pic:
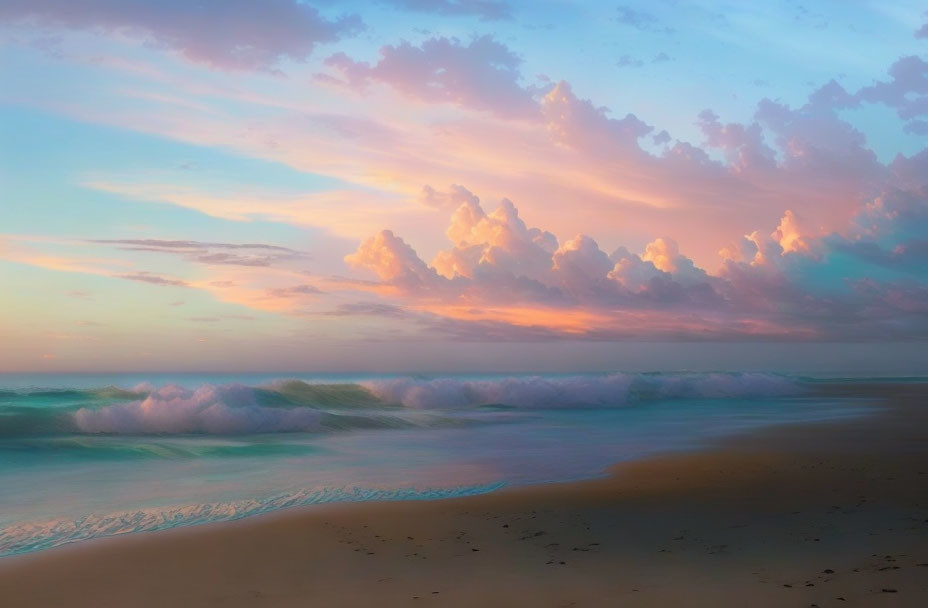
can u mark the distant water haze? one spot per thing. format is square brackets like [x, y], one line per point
[357, 361]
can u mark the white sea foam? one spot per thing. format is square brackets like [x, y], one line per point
[235, 408]
[33, 536]
[588, 391]
[226, 409]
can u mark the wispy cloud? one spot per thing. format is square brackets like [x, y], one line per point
[489, 10]
[245, 254]
[153, 279]
[641, 20]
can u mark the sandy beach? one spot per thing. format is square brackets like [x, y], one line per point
[819, 514]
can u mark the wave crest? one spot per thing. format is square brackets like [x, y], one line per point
[335, 396]
[572, 391]
[222, 410]
[298, 406]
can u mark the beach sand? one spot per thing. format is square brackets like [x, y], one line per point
[820, 514]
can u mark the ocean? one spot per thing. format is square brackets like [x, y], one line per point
[86, 456]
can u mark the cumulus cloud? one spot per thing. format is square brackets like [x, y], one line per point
[394, 261]
[817, 145]
[633, 273]
[743, 145]
[804, 157]
[641, 20]
[864, 283]
[789, 234]
[497, 260]
[890, 231]
[906, 91]
[580, 265]
[503, 280]
[452, 199]
[663, 253]
[580, 124]
[482, 74]
[492, 244]
[785, 177]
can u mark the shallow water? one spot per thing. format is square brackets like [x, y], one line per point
[84, 456]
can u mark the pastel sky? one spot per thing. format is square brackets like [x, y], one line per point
[451, 185]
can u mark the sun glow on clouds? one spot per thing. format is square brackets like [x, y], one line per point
[500, 270]
[608, 226]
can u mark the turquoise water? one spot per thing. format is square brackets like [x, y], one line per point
[83, 456]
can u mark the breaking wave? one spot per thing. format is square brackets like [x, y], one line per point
[297, 406]
[577, 391]
[214, 410]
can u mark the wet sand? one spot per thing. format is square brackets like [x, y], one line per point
[820, 514]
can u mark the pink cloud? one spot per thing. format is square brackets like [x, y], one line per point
[394, 261]
[580, 266]
[567, 162]
[789, 234]
[430, 197]
[568, 158]
[229, 34]
[497, 279]
[744, 145]
[481, 75]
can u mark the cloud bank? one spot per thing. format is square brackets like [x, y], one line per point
[227, 34]
[500, 276]
[618, 222]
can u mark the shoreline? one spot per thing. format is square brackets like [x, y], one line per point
[44, 534]
[589, 542]
[610, 470]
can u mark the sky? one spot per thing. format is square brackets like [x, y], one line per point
[463, 185]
